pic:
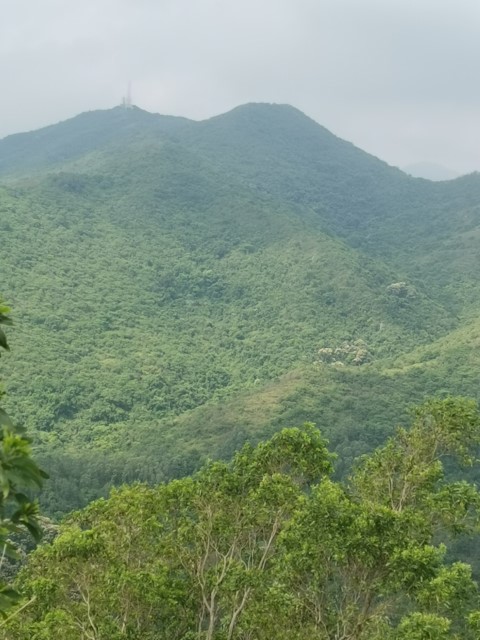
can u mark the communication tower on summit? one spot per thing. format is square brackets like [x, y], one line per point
[127, 99]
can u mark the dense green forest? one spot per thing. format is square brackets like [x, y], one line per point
[183, 294]
[181, 287]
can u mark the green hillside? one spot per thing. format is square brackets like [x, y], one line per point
[179, 287]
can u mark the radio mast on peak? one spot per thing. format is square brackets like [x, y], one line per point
[127, 99]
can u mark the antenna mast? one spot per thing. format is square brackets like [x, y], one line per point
[127, 99]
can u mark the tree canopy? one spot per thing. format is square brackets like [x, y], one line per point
[269, 545]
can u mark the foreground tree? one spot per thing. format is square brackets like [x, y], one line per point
[183, 560]
[361, 556]
[18, 473]
[269, 546]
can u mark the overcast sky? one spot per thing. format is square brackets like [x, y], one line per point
[398, 78]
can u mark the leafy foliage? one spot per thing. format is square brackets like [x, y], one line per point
[18, 472]
[269, 546]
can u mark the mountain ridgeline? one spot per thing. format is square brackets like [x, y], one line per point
[180, 287]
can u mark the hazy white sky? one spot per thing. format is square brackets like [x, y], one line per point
[398, 78]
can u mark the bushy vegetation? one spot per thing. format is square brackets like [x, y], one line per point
[269, 546]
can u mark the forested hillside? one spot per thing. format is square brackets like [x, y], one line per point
[179, 287]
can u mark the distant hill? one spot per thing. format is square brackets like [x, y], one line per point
[179, 287]
[430, 171]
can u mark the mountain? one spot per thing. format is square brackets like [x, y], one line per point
[179, 287]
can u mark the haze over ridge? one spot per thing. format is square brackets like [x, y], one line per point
[397, 80]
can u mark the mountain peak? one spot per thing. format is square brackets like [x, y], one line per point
[89, 131]
[271, 113]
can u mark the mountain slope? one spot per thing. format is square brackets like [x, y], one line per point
[167, 276]
[373, 207]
